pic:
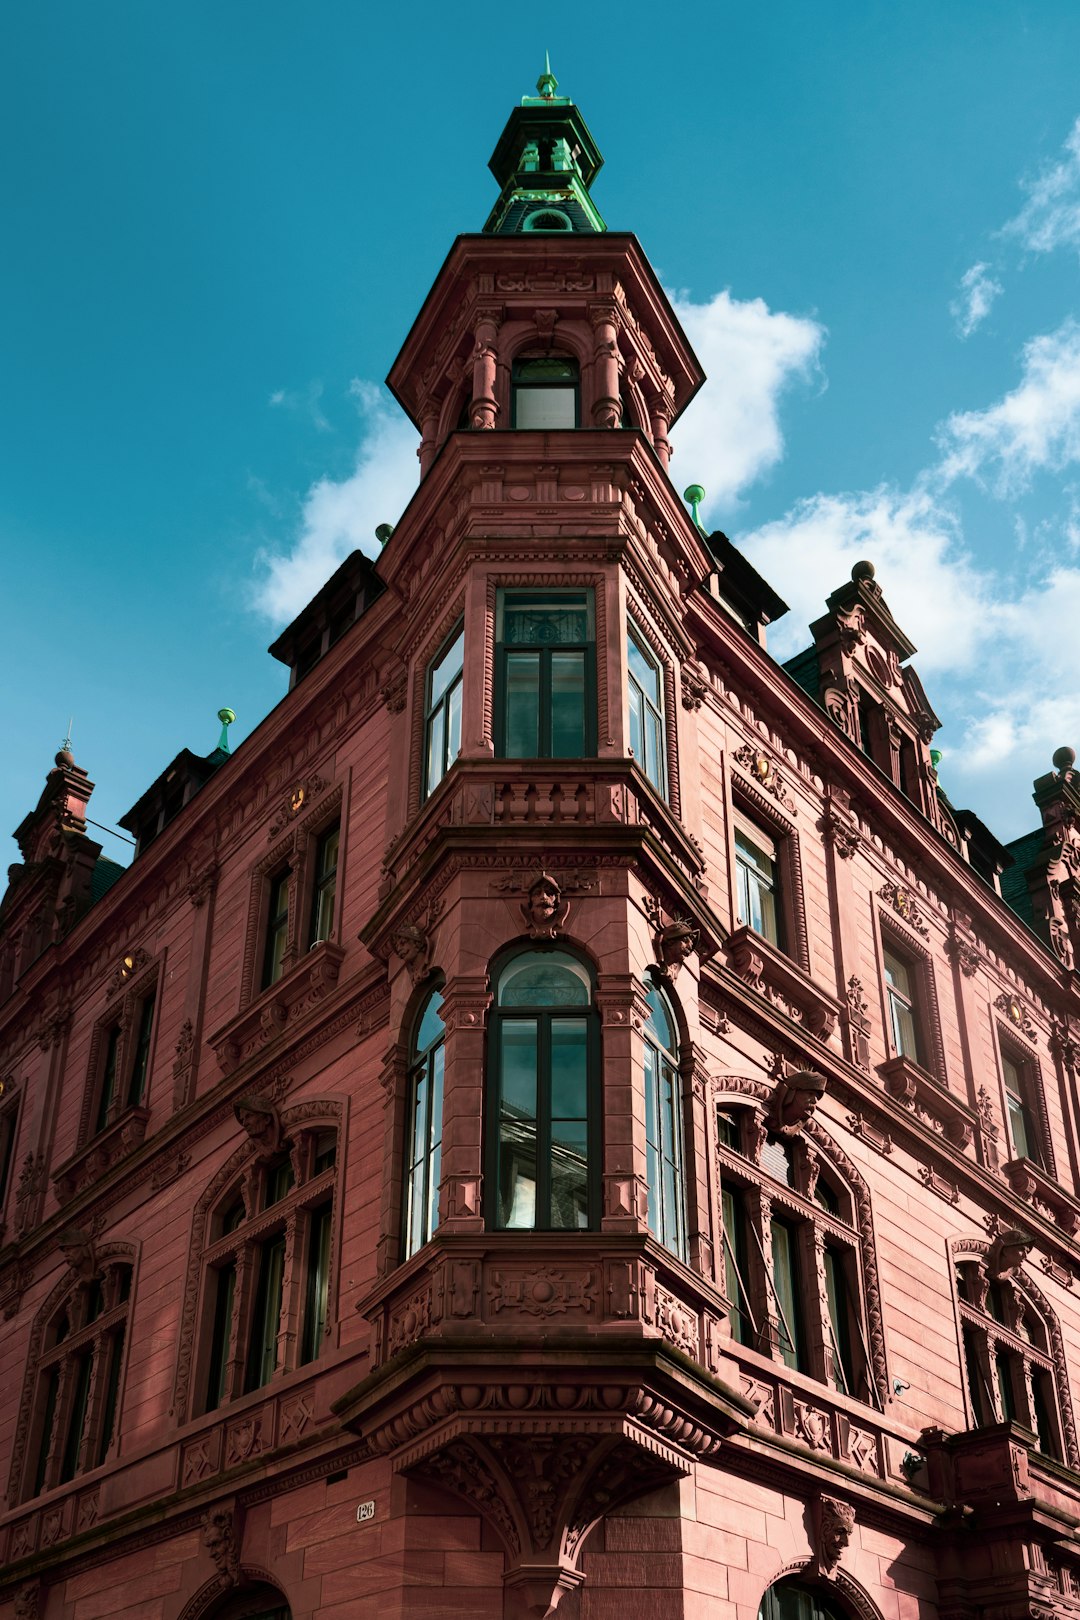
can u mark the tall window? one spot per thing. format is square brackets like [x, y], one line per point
[1009, 1368]
[121, 1064]
[545, 678]
[791, 1254]
[78, 1380]
[424, 1138]
[442, 734]
[267, 1291]
[901, 991]
[545, 392]
[645, 695]
[542, 1123]
[109, 1069]
[663, 1127]
[324, 885]
[758, 881]
[789, 1600]
[141, 1059]
[277, 927]
[1023, 1128]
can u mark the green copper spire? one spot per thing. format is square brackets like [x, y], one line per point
[545, 163]
[226, 716]
[547, 83]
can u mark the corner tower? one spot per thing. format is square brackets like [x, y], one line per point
[543, 887]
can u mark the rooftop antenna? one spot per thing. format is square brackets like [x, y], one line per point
[226, 716]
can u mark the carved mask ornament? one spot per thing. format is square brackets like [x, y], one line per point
[544, 909]
[262, 1123]
[794, 1100]
[1007, 1253]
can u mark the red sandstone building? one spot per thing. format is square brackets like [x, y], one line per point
[568, 1114]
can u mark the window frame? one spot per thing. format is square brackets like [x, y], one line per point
[752, 1198]
[545, 596]
[916, 958]
[119, 1035]
[324, 883]
[441, 708]
[1001, 1365]
[498, 1018]
[526, 359]
[670, 1174]
[425, 1067]
[760, 816]
[749, 832]
[296, 853]
[649, 710]
[74, 1416]
[1031, 1098]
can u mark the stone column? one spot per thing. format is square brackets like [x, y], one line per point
[484, 409]
[661, 410]
[429, 429]
[620, 999]
[466, 1000]
[607, 404]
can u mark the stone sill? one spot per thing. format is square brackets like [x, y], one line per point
[267, 1017]
[765, 968]
[1030, 1182]
[120, 1138]
[914, 1088]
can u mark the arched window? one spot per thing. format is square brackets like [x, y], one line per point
[259, 1601]
[793, 1264]
[267, 1268]
[545, 392]
[663, 1126]
[789, 1600]
[424, 1139]
[543, 1148]
[1010, 1367]
[78, 1378]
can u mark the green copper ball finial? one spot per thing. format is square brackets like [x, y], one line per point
[547, 83]
[226, 716]
[695, 495]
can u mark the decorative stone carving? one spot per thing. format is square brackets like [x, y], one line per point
[77, 1247]
[833, 1523]
[28, 1190]
[219, 1539]
[297, 799]
[131, 963]
[758, 765]
[905, 905]
[962, 953]
[840, 834]
[1007, 1253]
[25, 1601]
[544, 909]
[675, 943]
[259, 1117]
[395, 692]
[412, 945]
[693, 688]
[1017, 1014]
[793, 1101]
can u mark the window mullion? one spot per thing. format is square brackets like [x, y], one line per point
[95, 1395]
[544, 698]
[243, 1305]
[543, 1121]
[60, 1417]
[296, 1226]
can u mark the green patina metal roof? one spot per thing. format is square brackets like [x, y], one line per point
[805, 672]
[1014, 887]
[103, 877]
[545, 163]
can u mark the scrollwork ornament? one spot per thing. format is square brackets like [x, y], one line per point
[905, 905]
[1017, 1014]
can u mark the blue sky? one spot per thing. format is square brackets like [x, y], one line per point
[220, 219]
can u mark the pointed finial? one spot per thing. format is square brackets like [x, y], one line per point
[226, 716]
[547, 83]
[64, 756]
[695, 495]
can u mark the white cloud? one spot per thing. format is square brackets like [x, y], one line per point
[730, 434]
[978, 291]
[1034, 428]
[1050, 217]
[305, 402]
[339, 516]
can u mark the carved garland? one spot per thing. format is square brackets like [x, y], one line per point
[128, 1254]
[232, 1170]
[742, 1085]
[979, 1248]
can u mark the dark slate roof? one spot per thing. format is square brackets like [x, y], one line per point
[103, 877]
[805, 671]
[520, 209]
[1014, 889]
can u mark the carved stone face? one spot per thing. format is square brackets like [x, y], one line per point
[257, 1122]
[544, 898]
[410, 944]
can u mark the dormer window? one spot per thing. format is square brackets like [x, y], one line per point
[545, 393]
[547, 219]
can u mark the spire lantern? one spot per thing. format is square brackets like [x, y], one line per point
[545, 163]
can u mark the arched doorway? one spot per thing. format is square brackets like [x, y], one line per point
[792, 1600]
[255, 1601]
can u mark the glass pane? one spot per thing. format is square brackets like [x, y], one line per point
[569, 1174]
[431, 1024]
[636, 704]
[453, 725]
[903, 1024]
[550, 407]
[318, 1284]
[544, 979]
[522, 705]
[561, 620]
[776, 1160]
[1043, 1402]
[77, 1416]
[435, 754]
[735, 1265]
[1006, 1393]
[786, 1284]
[840, 1337]
[518, 1068]
[567, 705]
[114, 1349]
[219, 1345]
[896, 974]
[1019, 1128]
[643, 670]
[547, 368]
[447, 669]
[654, 750]
[436, 1139]
[517, 1171]
[975, 1382]
[753, 856]
[659, 1022]
[568, 1068]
